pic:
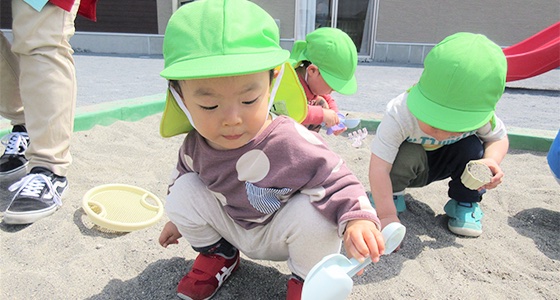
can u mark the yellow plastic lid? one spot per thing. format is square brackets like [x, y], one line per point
[121, 207]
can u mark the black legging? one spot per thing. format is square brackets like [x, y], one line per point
[450, 161]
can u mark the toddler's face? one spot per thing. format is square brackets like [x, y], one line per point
[437, 133]
[316, 83]
[228, 111]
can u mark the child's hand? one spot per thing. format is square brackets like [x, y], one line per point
[330, 117]
[169, 235]
[363, 239]
[496, 170]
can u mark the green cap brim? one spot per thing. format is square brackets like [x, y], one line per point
[345, 87]
[225, 65]
[442, 117]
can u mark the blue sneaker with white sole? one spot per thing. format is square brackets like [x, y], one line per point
[464, 218]
[398, 199]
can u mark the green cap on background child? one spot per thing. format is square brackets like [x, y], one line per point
[216, 38]
[464, 77]
[334, 53]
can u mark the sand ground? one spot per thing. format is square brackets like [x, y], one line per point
[65, 256]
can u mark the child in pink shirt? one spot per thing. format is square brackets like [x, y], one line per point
[326, 61]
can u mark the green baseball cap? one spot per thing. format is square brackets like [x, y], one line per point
[216, 38]
[464, 77]
[334, 53]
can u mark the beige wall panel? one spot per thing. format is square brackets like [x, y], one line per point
[284, 11]
[506, 22]
[164, 10]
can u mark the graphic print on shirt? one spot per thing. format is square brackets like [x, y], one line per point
[252, 167]
[265, 200]
[430, 143]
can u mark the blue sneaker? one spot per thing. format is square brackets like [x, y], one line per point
[464, 218]
[398, 199]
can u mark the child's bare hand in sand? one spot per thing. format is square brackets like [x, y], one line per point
[169, 235]
[363, 239]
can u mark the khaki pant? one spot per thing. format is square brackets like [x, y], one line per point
[38, 82]
[298, 233]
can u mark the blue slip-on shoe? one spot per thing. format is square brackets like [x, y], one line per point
[464, 218]
[398, 199]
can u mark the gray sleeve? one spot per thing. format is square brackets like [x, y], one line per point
[492, 132]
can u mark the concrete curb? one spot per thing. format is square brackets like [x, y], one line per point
[107, 113]
[124, 110]
[138, 108]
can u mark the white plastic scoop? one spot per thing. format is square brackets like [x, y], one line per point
[331, 278]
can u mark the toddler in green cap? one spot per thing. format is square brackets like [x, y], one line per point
[432, 131]
[248, 181]
[326, 61]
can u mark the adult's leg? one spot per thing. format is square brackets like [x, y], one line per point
[47, 81]
[11, 107]
[12, 162]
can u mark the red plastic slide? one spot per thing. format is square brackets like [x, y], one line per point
[537, 54]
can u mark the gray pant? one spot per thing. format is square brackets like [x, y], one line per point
[298, 233]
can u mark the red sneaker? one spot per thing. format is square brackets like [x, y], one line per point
[294, 289]
[207, 275]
